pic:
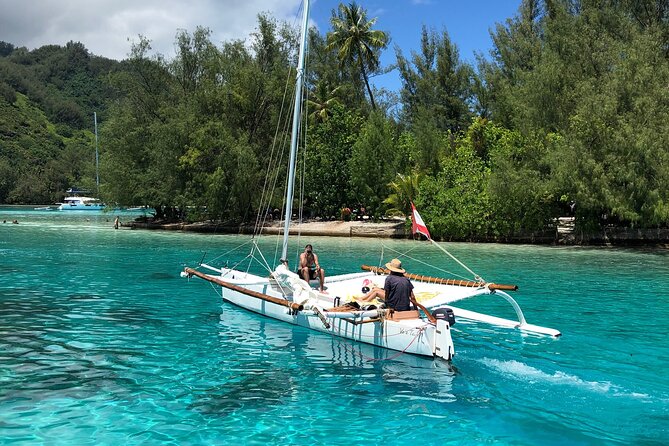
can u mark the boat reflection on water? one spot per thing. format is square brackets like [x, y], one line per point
[326, 359]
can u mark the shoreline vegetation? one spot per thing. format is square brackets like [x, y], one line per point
[563, 233]
[567, 115]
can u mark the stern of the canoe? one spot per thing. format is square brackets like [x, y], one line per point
[443, 342]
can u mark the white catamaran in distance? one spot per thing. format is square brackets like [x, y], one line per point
[283, 295]
[77, 202]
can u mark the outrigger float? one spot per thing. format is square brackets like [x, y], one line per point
[284, 296]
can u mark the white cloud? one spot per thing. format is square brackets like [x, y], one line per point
[104, 26]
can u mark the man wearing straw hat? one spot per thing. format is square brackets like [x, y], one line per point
[397, 293]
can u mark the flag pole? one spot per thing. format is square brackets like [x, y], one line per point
[418, 226]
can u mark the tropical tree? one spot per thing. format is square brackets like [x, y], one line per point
[404, 190]
[374, 162]
[436, 84]
[455, 202]
[588, 81]
[329, 148]
[321, 100]
[357, 43]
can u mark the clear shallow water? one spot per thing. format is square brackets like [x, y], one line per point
[101, 342]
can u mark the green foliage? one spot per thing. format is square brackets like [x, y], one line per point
[572, 105]
[36, 161]
[404, 191]
[436, 85]
[322, 100]
[357, 44]
[455, 203]
[520, 185]
[47, 100]
[6, 48]
[194, 131]
[495, 185]
[375, 161]
[66, 82]
[327, 169]
[7, 93]
[430, 145]
[327, 84]
[589, 85]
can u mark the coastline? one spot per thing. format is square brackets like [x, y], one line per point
[564, 231]
[611, 236]
[335, 228]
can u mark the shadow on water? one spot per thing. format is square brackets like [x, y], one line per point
[253, 391]
[161, 276]
[57, 349]
[27, 303]
[40, 367]
[134, 315]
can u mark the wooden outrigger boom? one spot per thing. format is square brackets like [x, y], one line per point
[440, 281]
[292, 305]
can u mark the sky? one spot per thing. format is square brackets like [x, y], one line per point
[108, 27]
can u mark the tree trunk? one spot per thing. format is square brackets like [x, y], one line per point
[369, 90]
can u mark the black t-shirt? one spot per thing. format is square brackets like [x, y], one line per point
[398, 290]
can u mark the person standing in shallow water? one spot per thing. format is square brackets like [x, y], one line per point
[309, 266]
[116, 222]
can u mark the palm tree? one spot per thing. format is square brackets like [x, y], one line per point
[404, 190]
[321, 100]
[356, 42]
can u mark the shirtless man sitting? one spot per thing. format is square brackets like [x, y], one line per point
[309, 266]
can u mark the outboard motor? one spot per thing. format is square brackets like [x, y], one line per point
[446, 314]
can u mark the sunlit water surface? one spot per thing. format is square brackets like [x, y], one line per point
[101, 342]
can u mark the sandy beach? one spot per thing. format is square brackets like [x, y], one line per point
[386, 229]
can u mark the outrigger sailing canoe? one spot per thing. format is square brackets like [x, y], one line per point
[284, 296]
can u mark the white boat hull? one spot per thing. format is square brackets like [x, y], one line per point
[416, 336]
[279, 297]
[81, 207]
[81, 204]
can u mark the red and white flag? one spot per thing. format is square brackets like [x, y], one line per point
[417, 223]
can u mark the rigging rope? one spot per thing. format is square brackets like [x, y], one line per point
[268, 192]
[405, 254]
[275, 160]
[476, 276]
[229, 251]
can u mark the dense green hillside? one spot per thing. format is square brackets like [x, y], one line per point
[47, 100]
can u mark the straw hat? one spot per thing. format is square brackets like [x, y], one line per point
[395, 266]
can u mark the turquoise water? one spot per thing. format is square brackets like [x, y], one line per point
[101, 342]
